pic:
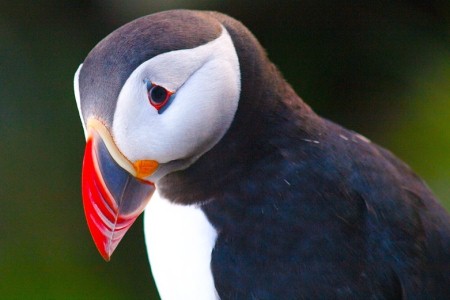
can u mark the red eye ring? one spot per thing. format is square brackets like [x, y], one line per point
[158, 96]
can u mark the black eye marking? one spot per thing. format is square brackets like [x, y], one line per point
[158, 96]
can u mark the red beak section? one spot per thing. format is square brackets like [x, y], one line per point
[112, 197]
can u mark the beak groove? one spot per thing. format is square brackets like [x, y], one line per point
[112, 197]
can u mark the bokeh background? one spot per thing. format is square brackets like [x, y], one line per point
[382, 69]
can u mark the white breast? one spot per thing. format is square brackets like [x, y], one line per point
[179, 243]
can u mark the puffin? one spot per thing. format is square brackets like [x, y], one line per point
[247, 192]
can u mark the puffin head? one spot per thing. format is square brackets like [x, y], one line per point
[153, 97]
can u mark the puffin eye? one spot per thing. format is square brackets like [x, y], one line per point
[158, 96]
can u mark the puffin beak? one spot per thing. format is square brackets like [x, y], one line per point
[114, 189]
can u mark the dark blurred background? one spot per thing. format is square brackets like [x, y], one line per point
[382, 69]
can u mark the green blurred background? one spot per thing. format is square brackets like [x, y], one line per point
[381, 69]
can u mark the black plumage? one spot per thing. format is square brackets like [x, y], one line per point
[307, 209]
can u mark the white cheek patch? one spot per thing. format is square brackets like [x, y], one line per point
[204, 109]
[206, 81]
[76, 89]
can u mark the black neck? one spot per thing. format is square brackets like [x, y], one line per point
[267, 106]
